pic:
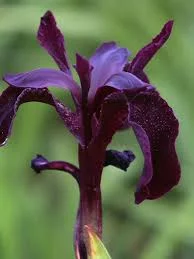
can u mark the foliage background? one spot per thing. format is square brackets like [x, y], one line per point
[37, 212]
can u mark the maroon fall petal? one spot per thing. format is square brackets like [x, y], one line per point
[156, 129]
[40, 163]
[7, 114]
[12, 98]
[101, 94]
[145, 54]
[111, 117]
[51, 38]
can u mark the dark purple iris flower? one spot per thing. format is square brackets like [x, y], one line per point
[115, 94]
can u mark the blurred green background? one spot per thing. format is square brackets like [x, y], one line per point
[37, 212]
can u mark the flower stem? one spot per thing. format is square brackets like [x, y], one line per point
[90, 204]
[90, 214]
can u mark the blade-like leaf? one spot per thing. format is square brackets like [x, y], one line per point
[95, 247]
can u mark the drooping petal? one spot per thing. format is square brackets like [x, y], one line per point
[51, 38]
[101, 94]
[111, 117]
[142, 191]
[40, 163]
[44, 77]
[12, 98]
[71, 120]
[156, 129]
[83, 69]
[109, 59]
[7, 102]
[146, 53]
[121, 160]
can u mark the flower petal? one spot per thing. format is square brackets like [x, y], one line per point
[121, 160]
[39, 163]
[156, 129]
[12, 98]
[125, 80]
[141, 74]
[44, 77]
[143, 139]
[51, 38]
[146, 53]
[108, 60]
[83, 69]
[111, 117]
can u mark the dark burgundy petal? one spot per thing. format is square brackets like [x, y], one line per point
[12, 98]
[51, 38]
[44, 77]
[142, 191]
[7, 103]
[121, 160]
[83, 69]
[111, 117]
[72, 120]
[156, 129]
[39, 164]
[146, 53]
[101, 94]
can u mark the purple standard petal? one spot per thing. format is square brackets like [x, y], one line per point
[51, 38]
[156, 129]
[121, 160]
[127, 81]
[39, 164]
[145, 54]
[44, 77]
[109, 59]
[12, 98]
[141, 74]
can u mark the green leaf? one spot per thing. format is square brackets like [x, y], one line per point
[95, 247]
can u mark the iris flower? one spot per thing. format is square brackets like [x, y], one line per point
[114, 94]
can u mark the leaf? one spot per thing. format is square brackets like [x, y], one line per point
[95, 247]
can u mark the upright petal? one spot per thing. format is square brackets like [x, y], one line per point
[44, 77]
[109, 59]
[12, 98]
[147, 52]
[83, 69]
[51, 38]
[156, 129]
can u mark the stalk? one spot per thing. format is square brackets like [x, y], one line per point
[90, 204]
